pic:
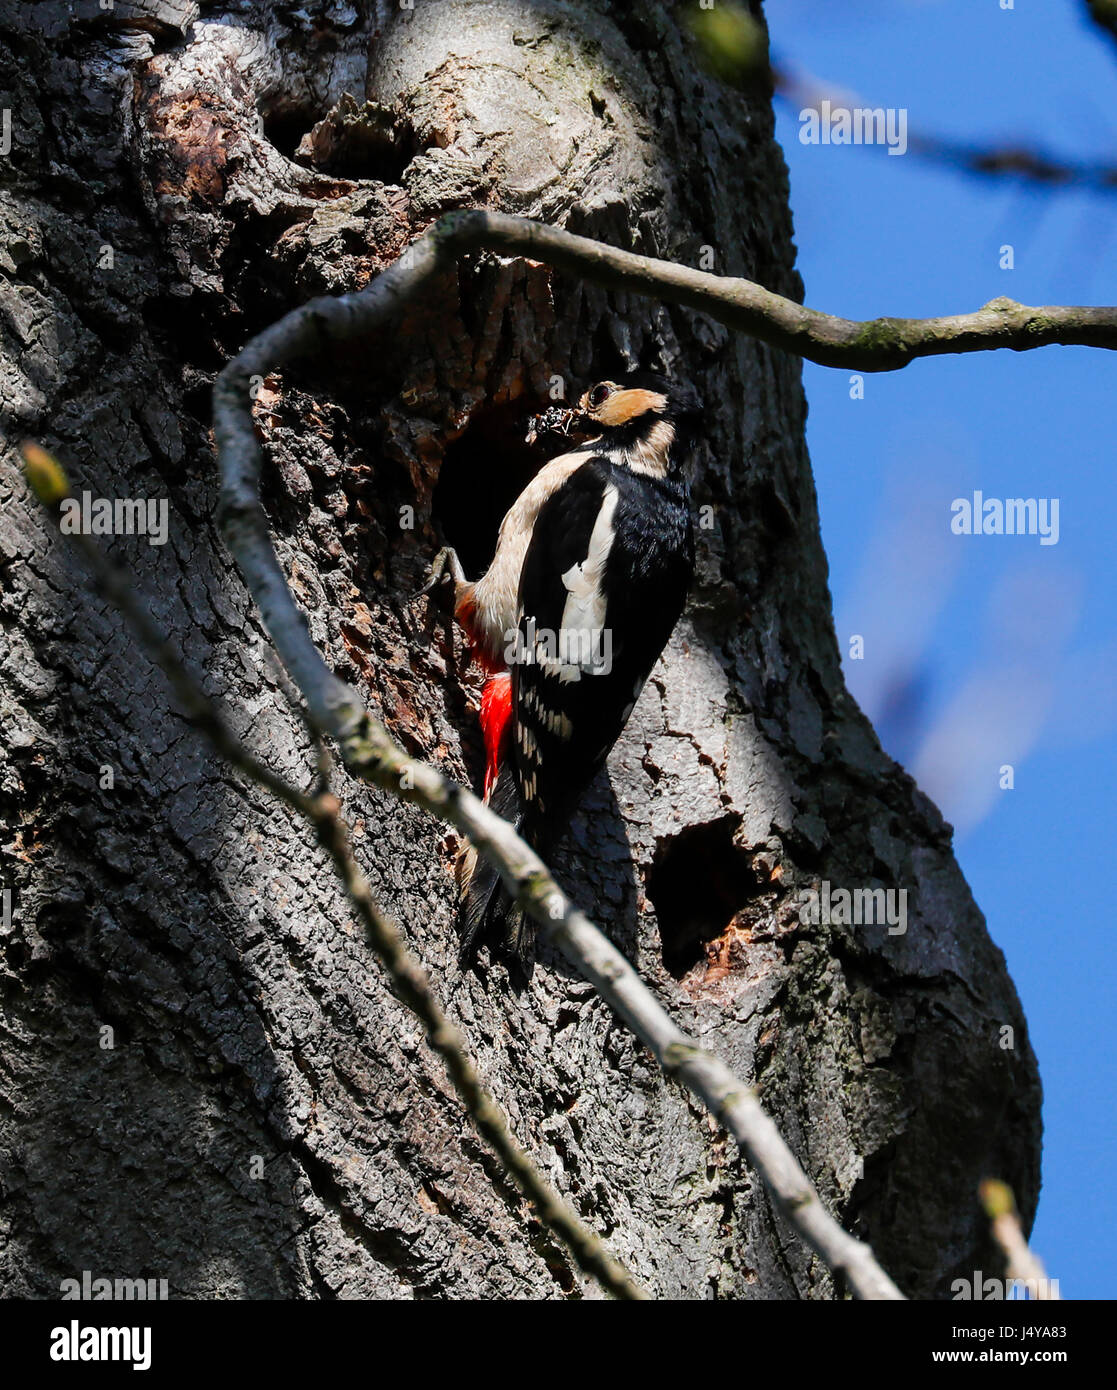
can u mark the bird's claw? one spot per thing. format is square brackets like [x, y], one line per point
[445, 565]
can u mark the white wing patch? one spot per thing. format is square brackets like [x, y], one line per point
[583, 616]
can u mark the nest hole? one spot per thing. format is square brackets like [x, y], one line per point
[698, 881]
[348, 140]
[285, 124]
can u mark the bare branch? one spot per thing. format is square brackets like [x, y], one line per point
[1023, 162]
[1021, 1263]
[368, 750]
[323, 810]
[733, 45]
[872, 345]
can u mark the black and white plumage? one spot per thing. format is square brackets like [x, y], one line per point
[608, 568]
[591, 573]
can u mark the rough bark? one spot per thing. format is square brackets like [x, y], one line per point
[199, 921]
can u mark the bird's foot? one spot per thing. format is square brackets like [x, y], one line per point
[445, 565]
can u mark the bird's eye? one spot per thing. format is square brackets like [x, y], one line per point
[600, 394]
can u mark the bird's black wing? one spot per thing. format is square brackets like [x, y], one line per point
[603, 583]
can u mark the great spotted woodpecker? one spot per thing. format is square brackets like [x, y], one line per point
[591, 571]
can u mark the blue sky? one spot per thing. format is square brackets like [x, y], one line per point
[988, 650]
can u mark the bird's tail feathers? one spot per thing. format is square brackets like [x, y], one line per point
[487, 911]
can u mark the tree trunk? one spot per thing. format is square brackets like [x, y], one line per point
[206, 1079]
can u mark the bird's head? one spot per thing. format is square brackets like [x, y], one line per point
[650, 420]
[639, 400]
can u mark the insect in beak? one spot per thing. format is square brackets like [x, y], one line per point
[556, 419]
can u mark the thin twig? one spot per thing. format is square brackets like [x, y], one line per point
[1014, 160]
[365, 745]
[733, 45]
[323, 810]
[1021, 1264]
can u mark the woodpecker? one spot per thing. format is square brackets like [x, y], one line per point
[592, 567]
